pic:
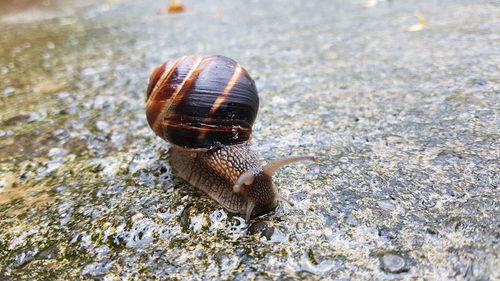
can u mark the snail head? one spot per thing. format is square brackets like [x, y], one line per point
[257, 187]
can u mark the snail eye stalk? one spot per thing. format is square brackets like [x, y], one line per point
[246, 178]
[273, 166]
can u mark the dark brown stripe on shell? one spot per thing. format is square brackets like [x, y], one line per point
[167, 86]
[211, 80]
[185, 89]
[155, 104]
[186, 135]
[222, 97]
[199, 96]
[240, 103]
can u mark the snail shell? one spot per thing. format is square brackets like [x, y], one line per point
[201, 103]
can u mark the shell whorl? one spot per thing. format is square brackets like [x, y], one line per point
[200, 102]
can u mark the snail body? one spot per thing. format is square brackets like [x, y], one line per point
[205, 107]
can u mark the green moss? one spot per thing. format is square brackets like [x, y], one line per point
[310, 255]
[178, 242]
[17, 201]
[77, 253]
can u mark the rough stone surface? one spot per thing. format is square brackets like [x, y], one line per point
[405, 124]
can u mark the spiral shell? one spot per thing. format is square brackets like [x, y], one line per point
[199, 103]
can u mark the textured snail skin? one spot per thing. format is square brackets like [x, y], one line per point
[205, 107]
[216, 172]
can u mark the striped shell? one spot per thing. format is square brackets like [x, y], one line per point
[200, 103]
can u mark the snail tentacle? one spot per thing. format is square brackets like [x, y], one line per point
[246, 178]
[250, 206]
[273, 166]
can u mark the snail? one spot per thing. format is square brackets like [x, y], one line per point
[204, 106]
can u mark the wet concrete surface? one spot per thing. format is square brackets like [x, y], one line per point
[405, 124]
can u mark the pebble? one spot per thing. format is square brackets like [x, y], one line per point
[262, 229]
[392, 263]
